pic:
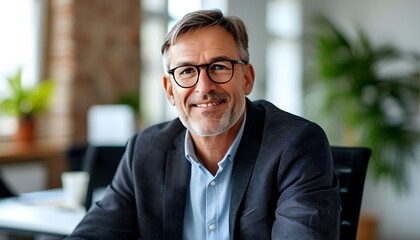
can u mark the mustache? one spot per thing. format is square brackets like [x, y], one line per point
[209, 96]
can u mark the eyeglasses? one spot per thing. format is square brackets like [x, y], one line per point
[220, 72]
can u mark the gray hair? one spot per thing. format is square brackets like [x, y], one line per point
[206, 18]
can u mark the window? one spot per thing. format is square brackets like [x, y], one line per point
[284, 54]
[21, 29]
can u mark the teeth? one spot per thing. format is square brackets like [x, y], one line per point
[207, 105]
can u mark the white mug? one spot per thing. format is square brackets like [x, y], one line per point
[75, 187]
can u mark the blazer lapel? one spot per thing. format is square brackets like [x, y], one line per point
[244, 162]
[177, 177]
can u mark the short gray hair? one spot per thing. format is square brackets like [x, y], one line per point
[206, 18]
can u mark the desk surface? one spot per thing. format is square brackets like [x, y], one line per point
[39, 213]
[16, 151]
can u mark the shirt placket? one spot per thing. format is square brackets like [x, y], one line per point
[211, 209]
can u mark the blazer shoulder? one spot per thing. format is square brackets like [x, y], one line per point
[280, 124]
[274, 114]
[160, 136]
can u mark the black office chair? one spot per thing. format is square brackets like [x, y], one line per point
[100, 162]
[350, 165]
[75, 154]
[5, 190]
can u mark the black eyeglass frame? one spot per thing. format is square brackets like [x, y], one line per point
[198, 67]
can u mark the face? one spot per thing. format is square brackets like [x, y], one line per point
[208, 108]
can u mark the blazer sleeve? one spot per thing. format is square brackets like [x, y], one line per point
[114, 217]
[308, 206]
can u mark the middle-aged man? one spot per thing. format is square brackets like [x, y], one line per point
[227, 168]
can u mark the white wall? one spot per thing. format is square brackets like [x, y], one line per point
[397, 23]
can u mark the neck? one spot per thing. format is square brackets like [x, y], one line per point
[211, 150]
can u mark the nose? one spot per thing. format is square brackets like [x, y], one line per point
[204, 84]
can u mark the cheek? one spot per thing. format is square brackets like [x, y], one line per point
[179, 97]
[238, 88]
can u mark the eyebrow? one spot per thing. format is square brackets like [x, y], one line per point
[211, 60]
[219, 58]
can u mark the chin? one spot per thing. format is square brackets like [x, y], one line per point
[210, 131]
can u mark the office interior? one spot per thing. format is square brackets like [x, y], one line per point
[107, 53]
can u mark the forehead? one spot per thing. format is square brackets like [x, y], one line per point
[202, 45]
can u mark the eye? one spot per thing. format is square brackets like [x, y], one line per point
[186, 70]
[220, 66]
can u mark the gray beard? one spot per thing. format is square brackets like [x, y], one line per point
[227, 121]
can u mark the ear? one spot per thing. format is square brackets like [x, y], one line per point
[167, 85]
[249, 78]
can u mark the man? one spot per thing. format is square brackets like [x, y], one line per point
[228, 168]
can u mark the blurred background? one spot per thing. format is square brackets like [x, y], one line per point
[105, 52]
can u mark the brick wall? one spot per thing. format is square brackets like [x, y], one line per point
[94, 56]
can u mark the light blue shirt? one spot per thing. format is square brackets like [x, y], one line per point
[208, 199]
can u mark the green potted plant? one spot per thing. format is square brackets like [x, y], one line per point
[369, 96]
[26, 103]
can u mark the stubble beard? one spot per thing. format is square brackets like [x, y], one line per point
[228, 119]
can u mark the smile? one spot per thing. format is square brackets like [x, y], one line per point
[208, 105]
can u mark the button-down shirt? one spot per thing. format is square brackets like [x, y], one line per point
[208, 198]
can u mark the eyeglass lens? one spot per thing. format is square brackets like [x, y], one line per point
[219, 72]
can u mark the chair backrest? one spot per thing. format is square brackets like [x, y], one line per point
[5, 191]
[75, 153]
[100, 162]
[350, 165]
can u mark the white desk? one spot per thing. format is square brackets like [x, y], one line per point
[39, 213]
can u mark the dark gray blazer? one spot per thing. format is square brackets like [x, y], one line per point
[283, 183]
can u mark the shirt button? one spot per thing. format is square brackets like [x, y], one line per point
[212, 227]
[212, 183]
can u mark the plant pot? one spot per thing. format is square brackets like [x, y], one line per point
[367, 228]
[26, 131]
